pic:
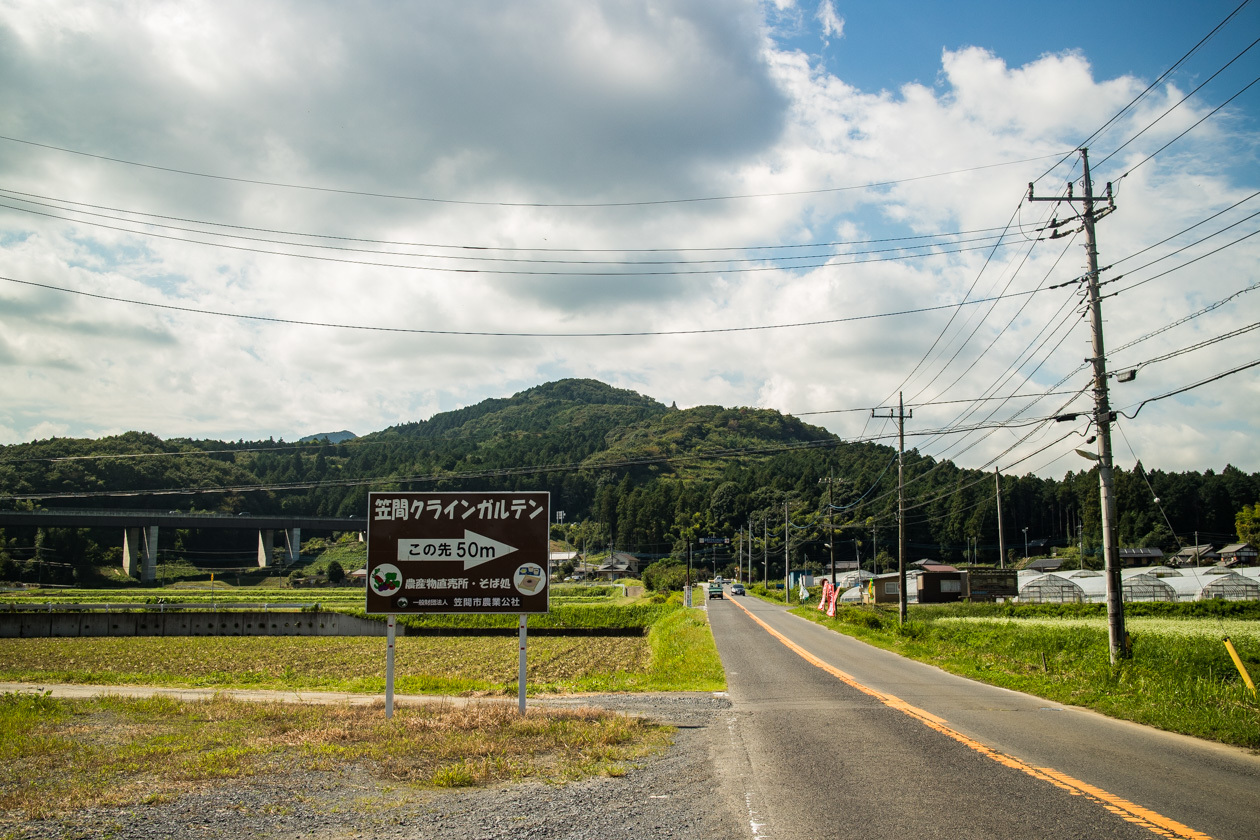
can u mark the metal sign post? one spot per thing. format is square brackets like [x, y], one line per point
[465, 553]
[520, 677]
[390, 623]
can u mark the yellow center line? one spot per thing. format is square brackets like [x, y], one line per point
[1130, 811]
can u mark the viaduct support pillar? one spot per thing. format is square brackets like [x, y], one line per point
[266, 540]
[293, 544]
[140, 552]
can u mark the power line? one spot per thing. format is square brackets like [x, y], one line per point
[1014, 316]
[60, 204]
[1198, 384]
[487, 333]
[1167, 239]
[1150, 87]
[1200, 345]
[1205, 117]
[1184, 319]
[1179, 103]
[929, 403]
[928, 353]
[527, 204]
[1185, 264]
[515, 271]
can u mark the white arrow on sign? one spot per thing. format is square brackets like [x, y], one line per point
[473, 549]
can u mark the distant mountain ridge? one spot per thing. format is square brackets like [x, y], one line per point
[630, 470]
[331, 437]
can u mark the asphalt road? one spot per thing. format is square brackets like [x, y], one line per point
[831, 738]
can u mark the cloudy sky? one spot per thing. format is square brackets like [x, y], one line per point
[270, 219]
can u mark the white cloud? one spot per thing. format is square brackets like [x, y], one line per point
[832, 23]
[556, 102]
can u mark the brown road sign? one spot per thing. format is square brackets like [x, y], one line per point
[458, 552]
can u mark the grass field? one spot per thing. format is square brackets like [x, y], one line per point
[1238, 630]
[1180, 677]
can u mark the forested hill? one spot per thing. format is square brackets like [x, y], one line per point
[631, 472]
[555, 436]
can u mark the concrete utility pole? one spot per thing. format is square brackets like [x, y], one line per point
[900, 416]
[997, 478]
[787, 567]
[831, 533]
[1103, 415]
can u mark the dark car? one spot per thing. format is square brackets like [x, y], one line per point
[737, 589]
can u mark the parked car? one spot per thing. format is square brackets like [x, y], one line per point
[737, 589]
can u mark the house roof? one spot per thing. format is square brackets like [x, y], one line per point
[620, 561]
[1141, 552]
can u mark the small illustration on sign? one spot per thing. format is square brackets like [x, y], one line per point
[386, 579]
[528, 578]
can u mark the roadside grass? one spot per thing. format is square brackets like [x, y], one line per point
[1180, 677]
[684, 656]
[62, 755]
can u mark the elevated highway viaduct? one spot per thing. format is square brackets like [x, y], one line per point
[140, 530]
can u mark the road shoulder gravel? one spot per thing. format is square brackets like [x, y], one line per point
[674, 794]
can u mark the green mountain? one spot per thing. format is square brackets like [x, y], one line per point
[627, 470]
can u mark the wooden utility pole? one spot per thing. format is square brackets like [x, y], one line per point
[900, 416]
[1103, 415]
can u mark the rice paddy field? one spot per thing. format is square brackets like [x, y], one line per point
[598, 639]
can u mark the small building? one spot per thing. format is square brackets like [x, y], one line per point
[1239, 554]
[882, 589]
[1195, 555]
[938, 584]
[795, 578]
[1045, 564]
[620, 564]
[1140, 556]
